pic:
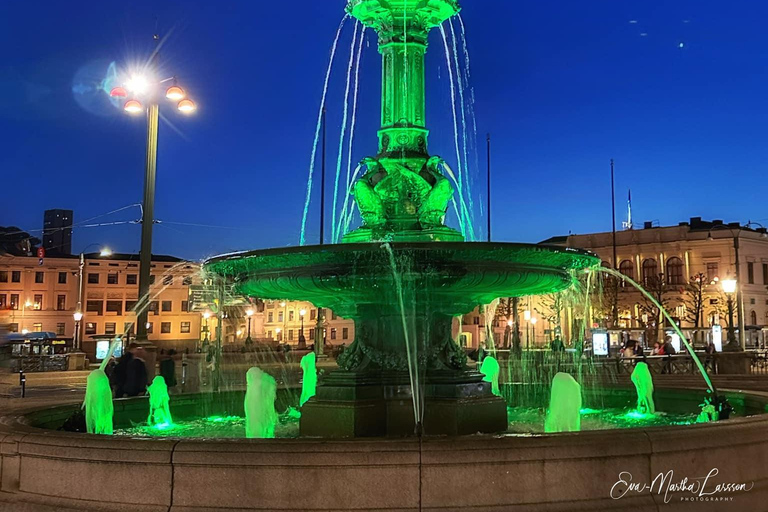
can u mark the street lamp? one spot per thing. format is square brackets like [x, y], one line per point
[249, 313]
[729, 287]
[302, 340]
[277, 334]
[143, 87]
[78, 316]
[104, 252]
[533, 322]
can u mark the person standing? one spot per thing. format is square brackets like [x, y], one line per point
[168, 368]
[136, 372]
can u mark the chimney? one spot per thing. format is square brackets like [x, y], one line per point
[648, 224]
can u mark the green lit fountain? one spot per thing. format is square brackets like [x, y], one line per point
[403, 275]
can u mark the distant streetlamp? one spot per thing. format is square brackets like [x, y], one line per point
[104, 252]
[249, 313]
[302, 340]
[277, 334]
[145, 87]
[78, 316]
[729, 287]
[533, 322]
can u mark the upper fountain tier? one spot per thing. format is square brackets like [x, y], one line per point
[393, 19]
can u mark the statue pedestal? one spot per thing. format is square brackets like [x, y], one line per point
[734, 363]
[377, 404]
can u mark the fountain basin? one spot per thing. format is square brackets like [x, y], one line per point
[48, 470]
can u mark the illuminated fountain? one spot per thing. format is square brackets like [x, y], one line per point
[403, 275]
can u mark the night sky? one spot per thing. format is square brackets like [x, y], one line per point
[676, 92]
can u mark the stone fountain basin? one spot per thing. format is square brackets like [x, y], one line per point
[45, 470]
[451, 277]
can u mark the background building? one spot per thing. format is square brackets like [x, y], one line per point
[57, 232]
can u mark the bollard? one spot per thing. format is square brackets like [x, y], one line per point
[23, 383]
[183, 372]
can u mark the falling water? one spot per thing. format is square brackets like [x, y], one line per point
[489, 311]
[159, 404]
[564, 413]
[465, 220]
[342, 135]
[641, 378]
[260, 414]
[471, 103]
[674, 325]
[410, 344]
[99, 410]
[461, 84]
[302, 239]
[449, 64]
[309, 377]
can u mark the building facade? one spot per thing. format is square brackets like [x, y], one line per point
[57, 232]
[676, 258]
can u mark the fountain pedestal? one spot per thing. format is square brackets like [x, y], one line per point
[373, 404]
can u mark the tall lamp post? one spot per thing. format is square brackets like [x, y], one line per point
[249, 313]
[533, 323]
[104, 252]
[141, 87]
[729, 287]
[527, 318]
[302, 339]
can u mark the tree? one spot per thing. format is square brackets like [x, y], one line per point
[553, 305]
[694, 300]
[16, 242]
[652, 318]
[509, 309]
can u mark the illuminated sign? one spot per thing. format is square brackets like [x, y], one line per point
[600, 343]
[717, 337]
[102, 348]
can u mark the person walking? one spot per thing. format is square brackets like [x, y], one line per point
[136, 372]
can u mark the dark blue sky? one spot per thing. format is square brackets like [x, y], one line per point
[563, 87]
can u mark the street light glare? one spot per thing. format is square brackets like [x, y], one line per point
[138, 84]
[133, 107]
[187, 106]
[249, 312]
[729, 285]
[105, 252]
[78, 316]
[175, 93]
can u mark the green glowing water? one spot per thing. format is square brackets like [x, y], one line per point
[260, 415]
[98, 403]
[309, 377]
[526, 420]
[212, 427]
[564, 405]
[159, 403]
[490, 368]
[641, 378]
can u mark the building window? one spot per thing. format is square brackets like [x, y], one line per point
[61, 329]
[290, 315]
[150, 327]
[333, 333]
[131, 279]
[311, 334]
[130, 305]
[753, 318]
[14, 301]
[13, 327]
[115, 306]
[187, 281]
[112, 278]
[269, 334]
[37, 303]
[95, 306]
[110, 328]
[93, 278]
[750, 273]
[345, 333]
[312, 314]
[128, 328]
[37, 327]
[333, 315]
[675, 271]
[39, 277]
[185, 306]
[168, 280]
[765, 274]
[476, 320]
[650, 271]
[713, 271]
[290, 334]
[151, 279]
[90, 327]
[3, 301]
[627, 268]
[185, 328]
[61, 302]
[279, 316]
[16, 276]
[154, 307]
[270, 317]
[3, 276]
[167, 305]
[165, 327]
[62, 278]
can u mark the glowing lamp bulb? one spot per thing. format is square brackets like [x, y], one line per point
[138, 84]
[133, 107]
[206, 315]
[187, 106]
[105, 252]
[118, 92]
[729, 285]
[302, 312]
[78, 316]
[249, 312]
[175, 93]
[24, 331]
